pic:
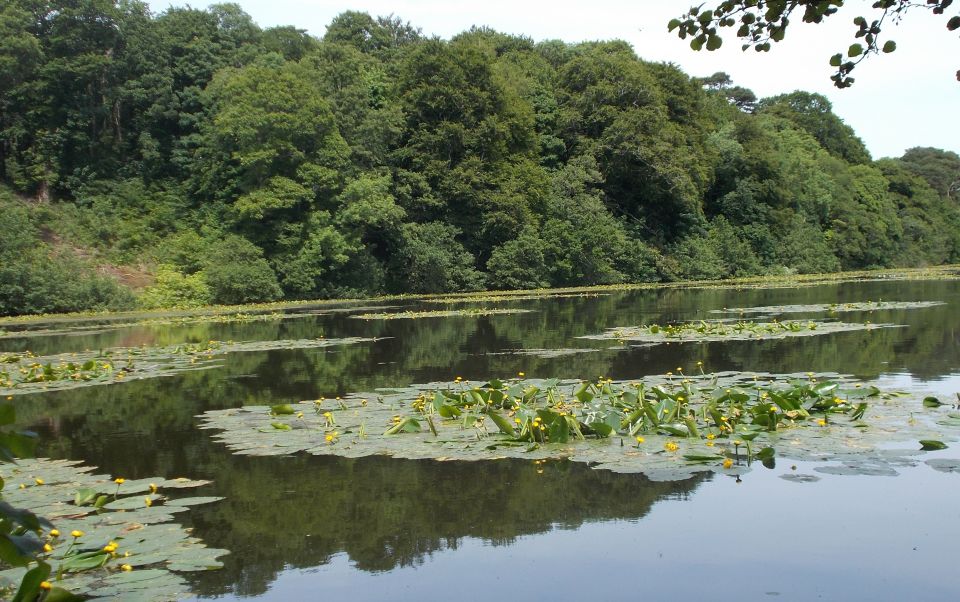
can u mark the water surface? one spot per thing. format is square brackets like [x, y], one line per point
[306, 527]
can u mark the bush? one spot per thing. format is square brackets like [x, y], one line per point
[518, 264]
[236, 272]
[34, 280]
[173, 289]
[431, 260]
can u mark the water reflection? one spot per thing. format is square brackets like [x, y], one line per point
[386, 513]
[379, 513]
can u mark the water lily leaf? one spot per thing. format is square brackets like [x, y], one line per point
[867, 306]
[193, 501]
[145, 533]
[58, 594]
[132, 503]
[932, 445]
[800, 478]
[944, 465]
[931, 402]
[720, 330]
[85, 496]
[614, 409]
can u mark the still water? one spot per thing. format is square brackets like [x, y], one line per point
[306, 527]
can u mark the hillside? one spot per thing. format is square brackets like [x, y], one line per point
[239, 164]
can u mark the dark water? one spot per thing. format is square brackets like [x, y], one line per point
[320, 527]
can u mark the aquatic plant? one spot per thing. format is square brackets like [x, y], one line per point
[106, 537]
[665, 427]
[408, 315]
[830, 308]
[26, 372]
[503, 298]
[725, 330]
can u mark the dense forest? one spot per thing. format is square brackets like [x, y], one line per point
[192, 157]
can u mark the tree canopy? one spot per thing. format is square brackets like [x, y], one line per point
[211, 160]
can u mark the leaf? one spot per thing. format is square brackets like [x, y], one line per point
[601, 429]
[766, 453]
[282, 409]
[675, 23]
[30, 584]
[84, 496]
[889, 46]
[854, 50]
[932, 445]
[7, 414]
[836, 59]
[58, 594]
[502, 423]
[954, 23]
[193, 501]
[932, 402]
[714, 42]
[280, 426]
[85, 561]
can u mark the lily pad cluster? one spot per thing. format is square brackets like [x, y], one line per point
[723, 330]
[488, 298]
[106, 538]
[665, 427]
[830, 308]
[25, 372]
[411, 315]
[545, 353]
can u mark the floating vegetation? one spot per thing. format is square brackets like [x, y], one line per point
[110, 538]
[487, 298]
[720, 330]
[157, 321]
[25, 372]
[831, 308]
[409, 315]
[543, 353]
[665, 427]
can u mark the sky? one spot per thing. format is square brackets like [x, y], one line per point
[901, 100]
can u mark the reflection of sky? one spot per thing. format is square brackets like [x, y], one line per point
[842, 538]
[947, 385]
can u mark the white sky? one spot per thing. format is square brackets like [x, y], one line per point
[905, 99]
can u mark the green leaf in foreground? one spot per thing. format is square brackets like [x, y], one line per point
[932, 445]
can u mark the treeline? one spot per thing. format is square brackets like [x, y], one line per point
[244, 164]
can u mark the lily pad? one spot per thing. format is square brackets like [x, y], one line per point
[723, 330]
[800, 478]
[27, 373]
[488, 298]
[944, 465]
[544, 353]
[411, 315]
[830, 307]
[683, 424]
[149, 548]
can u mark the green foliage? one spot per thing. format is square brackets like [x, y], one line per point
[236, 272]
[173, 289]
[38, 278]
[432, 260]
[267, 164]
[761, 22]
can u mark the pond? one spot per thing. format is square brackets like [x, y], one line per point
[302, 526]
